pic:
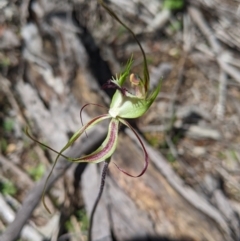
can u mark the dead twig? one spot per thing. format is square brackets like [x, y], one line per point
[199, 20]
[23, 178]
[222, 95]
[7, 215]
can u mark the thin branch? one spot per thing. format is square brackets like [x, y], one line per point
[8, 166]
[222, 95]
[7, 215]
[199, 20]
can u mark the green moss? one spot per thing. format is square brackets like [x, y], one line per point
[5, 62]
[121, 31]
[83, 219]
[3, 145]
[234, 155]
[175, 26]
[7, 188]
[173, 4]
[170, 157]
[221, 155]
[37, 172]
[69, 226]
[8, 124]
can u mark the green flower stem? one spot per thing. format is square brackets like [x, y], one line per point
[103, 177]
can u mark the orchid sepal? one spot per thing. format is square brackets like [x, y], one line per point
[77, 134]
[146, 158]
[71, 141]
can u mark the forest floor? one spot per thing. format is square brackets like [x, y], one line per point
[193, 47]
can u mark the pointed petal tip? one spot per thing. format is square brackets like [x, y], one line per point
[130, 175]
[45, 205]
[146, 158]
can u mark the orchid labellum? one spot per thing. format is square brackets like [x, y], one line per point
[124, 105]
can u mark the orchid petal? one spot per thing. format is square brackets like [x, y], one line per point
[75, 136]
[88, 105]
[107, 148]
[143, 148]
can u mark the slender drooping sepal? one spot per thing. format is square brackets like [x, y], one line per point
[107, 148]
[75, 136]
[146, 159]
[41, 143]
[145, 70]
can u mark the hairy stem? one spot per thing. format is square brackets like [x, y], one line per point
[103, 177]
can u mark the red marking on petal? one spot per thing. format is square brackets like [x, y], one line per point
[113, 130]
[112, 85]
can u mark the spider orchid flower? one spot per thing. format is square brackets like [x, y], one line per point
[124, 105]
